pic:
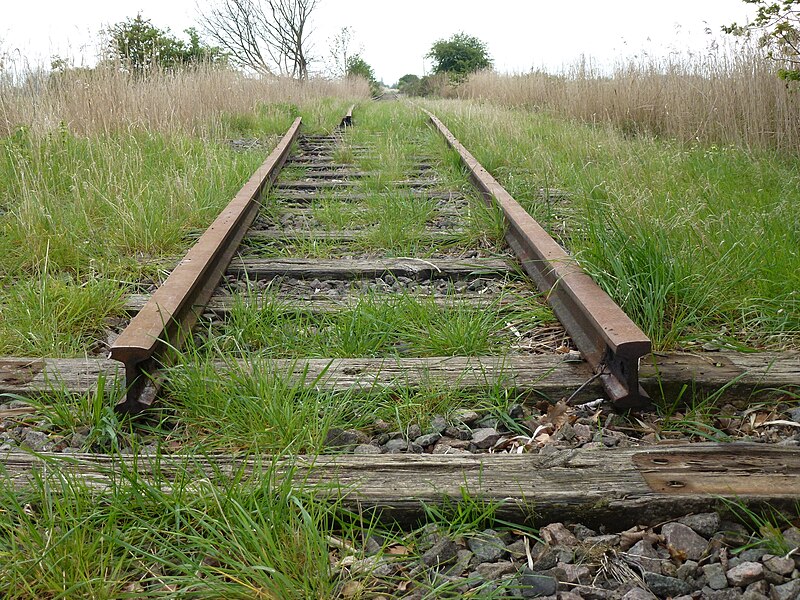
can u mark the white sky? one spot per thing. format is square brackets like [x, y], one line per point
[396, 35]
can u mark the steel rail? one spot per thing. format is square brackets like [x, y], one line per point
[609, 341]
[167, 319]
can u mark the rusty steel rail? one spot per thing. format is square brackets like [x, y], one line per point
[167, 319]
[609, 341]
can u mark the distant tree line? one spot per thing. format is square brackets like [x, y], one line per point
[269, 37]
[139, 46]
[454, 59]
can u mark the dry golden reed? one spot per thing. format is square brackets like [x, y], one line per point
[105, 99]
[722, 97]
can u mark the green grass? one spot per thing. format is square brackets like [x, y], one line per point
[397, 325]
[335, 214]
[90, 415]
[184, 530]
[195, 534]
[99, 204]
[252, 406]
[699, 244]
[766, 526]
[393, 220]
[79, 215]
[57, 316]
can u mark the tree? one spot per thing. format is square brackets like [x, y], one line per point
[140, 46]
[459, 56]
[358, 67]
[267, 36]
[778, 26]
[408, 84]
[341, 51]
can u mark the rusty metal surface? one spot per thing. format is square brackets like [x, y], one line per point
[605, 335]
[167, 319]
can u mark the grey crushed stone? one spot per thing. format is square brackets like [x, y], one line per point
[465, 417]
[414, 431]
[462, 562]
[447, 449]
[533, 585]
[487, 546]
[343, 439]
[638, 594]
[745, 573]
[594, 593]
[438, 424]
[687, 570]
[757, 591]
[661, 585]
[574, 573]
[705, 524]
[367, 449]
[429, 536]
[429, 439]
[779, 564]
[556, 534]
[643, 554]
[444, 552]
[715, 576]
[669, 568]
[683, 539]
[751, 554]
[516, 549]
[396, 445]
[548, 558]
[786, 591]
[495, 570]
[726, 594]
[485, 437]
[792, 536]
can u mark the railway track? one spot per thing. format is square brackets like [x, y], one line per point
[312, 193]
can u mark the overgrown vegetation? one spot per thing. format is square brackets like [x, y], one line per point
[459, 55]
[727, 96]
[256, 406]
[698, 243]
[396, 325]
[358, 67]
[191, 102]
[197, 533]
[777, 25]
[101, 172]
[141, 47]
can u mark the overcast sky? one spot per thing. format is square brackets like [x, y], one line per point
[395, 36]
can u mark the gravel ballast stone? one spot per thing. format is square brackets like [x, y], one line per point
[683, 539]
[745, 573]
[487, 546]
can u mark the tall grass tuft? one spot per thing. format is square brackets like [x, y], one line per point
[697, 242]
[105, 100]
[726, 96]
[192, 534]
